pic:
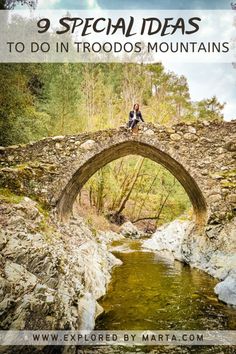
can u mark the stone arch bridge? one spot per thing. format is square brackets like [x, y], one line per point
[201, 156]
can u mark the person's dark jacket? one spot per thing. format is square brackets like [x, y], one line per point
[138, 115]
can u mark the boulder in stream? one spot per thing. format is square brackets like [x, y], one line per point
[130, 230]
[168, 239]
[226, 290]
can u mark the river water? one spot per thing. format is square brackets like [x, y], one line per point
[149, 292]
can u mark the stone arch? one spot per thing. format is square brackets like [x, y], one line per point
[121, 149]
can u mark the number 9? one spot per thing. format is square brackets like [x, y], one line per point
[43, 24]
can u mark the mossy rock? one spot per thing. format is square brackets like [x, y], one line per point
[7, 196]
[230, 173]
[228, 184]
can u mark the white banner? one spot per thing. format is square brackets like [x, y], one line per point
[118, 36]
[123, 338]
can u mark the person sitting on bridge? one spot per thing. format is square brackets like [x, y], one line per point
[135, 116]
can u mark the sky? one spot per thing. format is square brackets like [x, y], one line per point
[136, 4]
[205, 80]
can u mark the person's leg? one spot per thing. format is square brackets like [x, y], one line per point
[134, 123]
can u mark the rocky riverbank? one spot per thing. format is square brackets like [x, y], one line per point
[51, 273]
[214, 251]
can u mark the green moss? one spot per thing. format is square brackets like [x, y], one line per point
[42, 208]
[230, 173]
[89, 222]
[224, 174]
[9, 197]
[12, 184]
[44, 227]
[48, 231]
[230, 215]
[21, 167]
[228, 184]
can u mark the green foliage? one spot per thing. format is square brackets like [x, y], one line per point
[39, 100]
[61, 97]
[2, 4]
[20, 120]
[148, 192]
[210, 109]
[8, 196]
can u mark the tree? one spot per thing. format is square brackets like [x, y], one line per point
[71, 98]
[210, 109]
[135, 83]
[98, 97]
[136, 189]
[61, 98]
[10, 4]
[179, 94]
[125, 197]
[20, 121]
[170, 101]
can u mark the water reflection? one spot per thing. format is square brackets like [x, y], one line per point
[150, 292]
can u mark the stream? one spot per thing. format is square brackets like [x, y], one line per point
[149, 292]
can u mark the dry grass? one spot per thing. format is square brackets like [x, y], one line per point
[88, 213]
